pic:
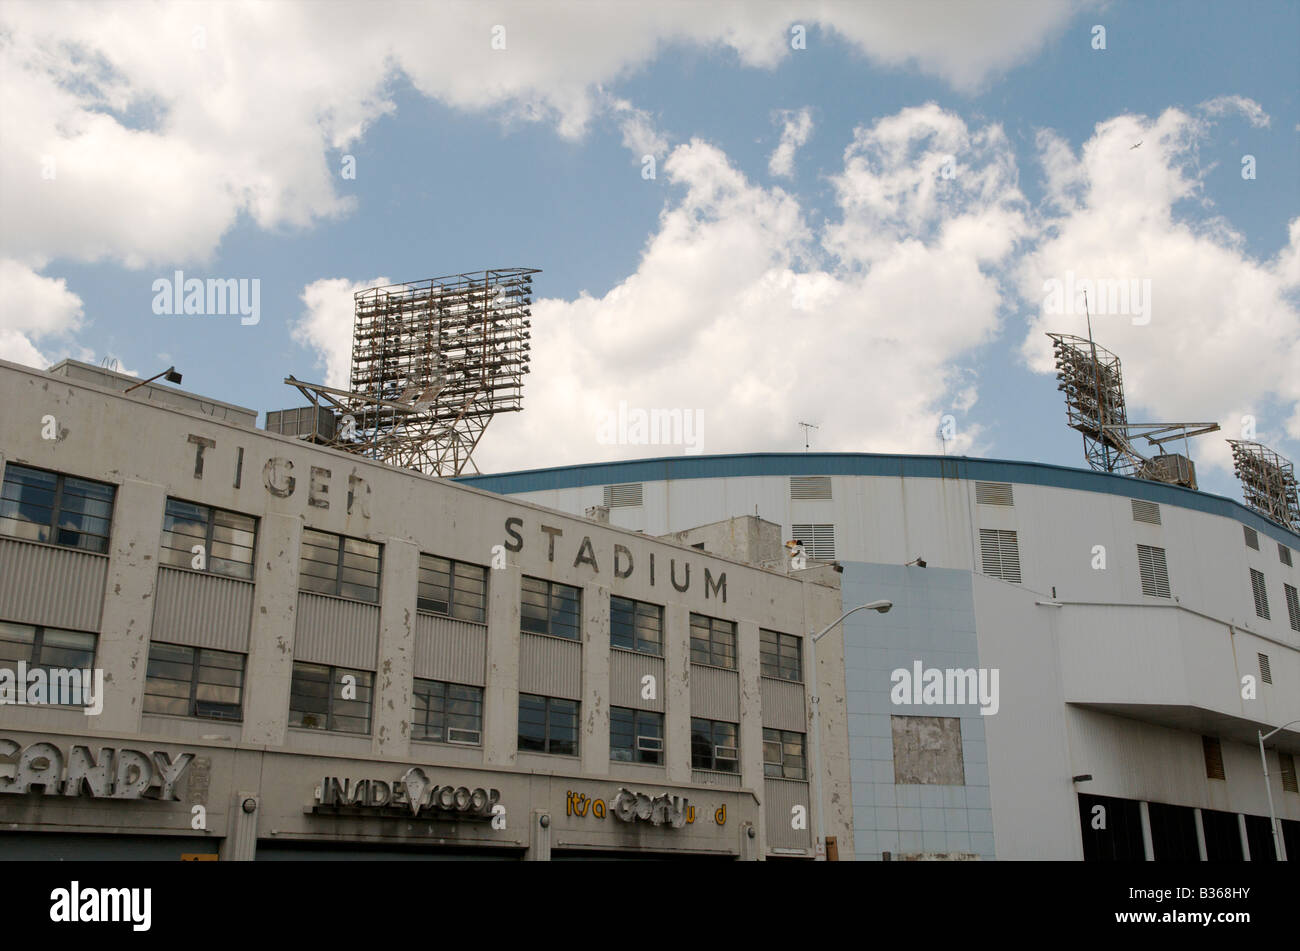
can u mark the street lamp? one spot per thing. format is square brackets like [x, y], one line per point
[170, 373]
[881, 606]
[1272, 818]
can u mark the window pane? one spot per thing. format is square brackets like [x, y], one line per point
[533, 605]
[622, 739]
[563, 727]
[622, 613]
[532, 723]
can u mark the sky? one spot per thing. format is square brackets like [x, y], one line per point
[864, 216]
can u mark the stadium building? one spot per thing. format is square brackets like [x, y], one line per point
[217, 641]
[1078, 664]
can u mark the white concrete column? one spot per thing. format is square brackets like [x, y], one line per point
[677, 693]
[1148, 848]
[269, 673]
[501, 690]
[391, 734]
[1245, 839]
[1200, 835]
[751, 719]
[593, 741]
[123, 649]
[240, 843]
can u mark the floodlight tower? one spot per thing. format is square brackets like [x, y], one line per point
[432, 362]
[1091, 378]
[1268, 482]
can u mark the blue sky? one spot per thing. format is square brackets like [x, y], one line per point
[839, 294]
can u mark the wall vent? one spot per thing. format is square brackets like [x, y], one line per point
[1153, 571]
[1213, 757]
[1288, 772]
[1000, 554]
[818, 540]
[1261, 595]
[1292, 605]
[1148, 512]
[810, 487]
[1265, 671]
[993, 493]
[1252, 537]
[1284, 555]
[623, 496]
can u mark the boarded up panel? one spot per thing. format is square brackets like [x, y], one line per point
[783, 795]
[57, 587]
[709, 778]
[335, 631]
[626, 668]
[450, 650]
[783, 705]
[715, 693]
[202, 610]
[550, 666]
[928, 750]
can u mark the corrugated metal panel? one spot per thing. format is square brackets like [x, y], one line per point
[783, 705]
[779, 804]
[715, 693]
[450, 650]
[550, 666]
[202, 610]
[626, 668]
[708, 778]
[44, 584]
[335, 631]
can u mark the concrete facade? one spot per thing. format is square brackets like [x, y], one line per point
[136, 783]
[1102, 673]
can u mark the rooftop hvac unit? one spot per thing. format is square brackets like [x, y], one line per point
[1173, 468]
[303, 422]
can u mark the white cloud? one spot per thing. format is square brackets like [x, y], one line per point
[34, 308]
[640, 136]
[166, 122]
[796, 128]
[1253, 111]
[736, 311]
[1224, 331]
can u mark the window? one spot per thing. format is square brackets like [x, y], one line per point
[1213, 757]
[636, 626]
[1292, 605]
[62, 510]
[927, 750]
[447, 713]
[49, 648]
[1153, 571]
[818, 540]
[1261, 595]
[194, 682]
[453, 588]
[636, 736]
[1252, 537]
[714, 745]
[333, 564]
[227, 539]
[548, 725]
[1000, 554]
[1284, 555]
[713, 641]
[783, 754]
[780, 655]
[549, 608]
[330, 698]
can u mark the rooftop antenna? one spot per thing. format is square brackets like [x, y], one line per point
[1090, 377]
[807, 428]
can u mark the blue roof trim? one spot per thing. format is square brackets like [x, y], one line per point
[675, 468]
